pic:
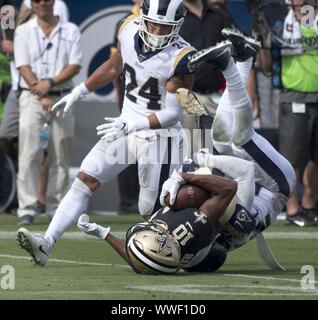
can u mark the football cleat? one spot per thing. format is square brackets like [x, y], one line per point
[35, 245]
[190, 103]
[218, 55]
[243, 47]
[302, 219]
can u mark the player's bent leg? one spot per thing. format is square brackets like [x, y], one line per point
[155, 165]
[272, 170]
[97, 168]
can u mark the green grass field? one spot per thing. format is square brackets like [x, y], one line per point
[87, 268]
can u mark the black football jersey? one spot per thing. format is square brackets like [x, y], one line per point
[190, 227]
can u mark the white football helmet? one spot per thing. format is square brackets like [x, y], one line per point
[167, 12]
[152, 249]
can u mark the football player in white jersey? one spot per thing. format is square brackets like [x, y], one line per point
[198, 239]
[155, 60]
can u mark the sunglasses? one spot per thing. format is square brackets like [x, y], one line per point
[38, 1]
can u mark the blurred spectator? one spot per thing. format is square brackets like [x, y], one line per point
[298, 128]
[128, 181]
[223, 5]
[202, 28]
[7, 19]
[268, 95]
[48, 55]
[9, 128]
[60, 9]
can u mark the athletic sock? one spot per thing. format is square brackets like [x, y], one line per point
[235, 85]
[71, 207]
[244, 69]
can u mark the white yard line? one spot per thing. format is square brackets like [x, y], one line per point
[269, 278]
[83, 263]
[186, 288]
[77, 235]
[208, 290]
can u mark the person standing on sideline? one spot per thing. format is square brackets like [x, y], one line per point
[48, 55]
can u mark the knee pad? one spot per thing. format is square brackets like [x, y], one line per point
[147, 201]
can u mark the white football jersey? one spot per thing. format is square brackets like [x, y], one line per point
[147, 73]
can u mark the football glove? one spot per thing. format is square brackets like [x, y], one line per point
[64, 105]
[203, 159]
[92, 229]
[171, 186]
[115, 128]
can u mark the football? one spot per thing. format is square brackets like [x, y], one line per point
[188, 196]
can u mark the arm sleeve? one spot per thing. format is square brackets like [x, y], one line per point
[173, 112]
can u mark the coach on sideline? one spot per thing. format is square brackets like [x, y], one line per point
[48, 55]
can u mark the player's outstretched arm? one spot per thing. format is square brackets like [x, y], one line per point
[105, 74]
[222, 190]
[119, 246]
[93, 229]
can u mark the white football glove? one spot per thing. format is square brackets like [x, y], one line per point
[92, 229]
[203, 159]
[64, 105]
[115, 128]
[171, 186]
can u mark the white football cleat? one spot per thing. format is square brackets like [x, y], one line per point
[35, 245]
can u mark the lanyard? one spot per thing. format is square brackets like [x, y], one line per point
[42, 51]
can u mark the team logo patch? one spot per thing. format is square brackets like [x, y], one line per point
[200, 217]
[243, 216]
[164, 243]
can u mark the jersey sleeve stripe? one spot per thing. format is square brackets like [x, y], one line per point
[125, 23]
[182, 54]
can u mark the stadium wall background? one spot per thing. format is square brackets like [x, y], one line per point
[97, 20]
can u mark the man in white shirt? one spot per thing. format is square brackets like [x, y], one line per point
[48, 55]
[10, 125]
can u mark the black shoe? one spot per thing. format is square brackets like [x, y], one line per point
[312, 214]
[301, 219]
[243, 47]
[25, 220]
[218, 55]
[40, 207]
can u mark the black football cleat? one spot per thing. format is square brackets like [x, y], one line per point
[243, 47]
[218, 55]
[302, 219]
